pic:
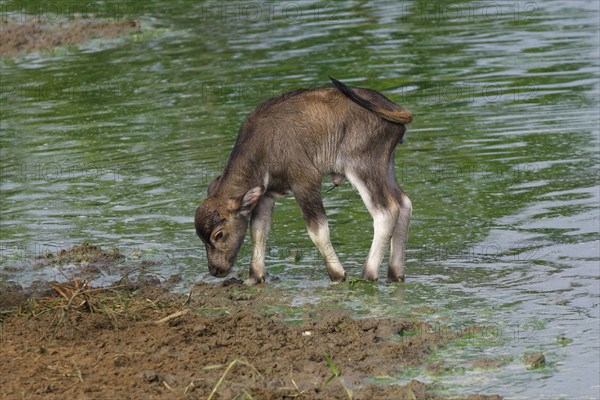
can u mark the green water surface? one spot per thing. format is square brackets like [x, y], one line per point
[115, 141]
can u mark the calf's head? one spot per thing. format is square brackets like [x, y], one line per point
[221, 222]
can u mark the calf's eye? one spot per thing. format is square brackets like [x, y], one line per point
[219, 236]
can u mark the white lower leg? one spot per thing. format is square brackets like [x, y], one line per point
[259, 229]
[320, 237]
[384, 223]
[398, 242]
[257, 264]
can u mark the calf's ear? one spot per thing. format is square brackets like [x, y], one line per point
[212, 187]
[246, 204]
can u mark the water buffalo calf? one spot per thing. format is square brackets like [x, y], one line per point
[286, 145]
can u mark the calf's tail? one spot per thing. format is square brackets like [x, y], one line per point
[376, 102]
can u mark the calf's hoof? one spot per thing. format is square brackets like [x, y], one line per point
[253, 280]
[370, 276]
[393, 277]
[337, 279]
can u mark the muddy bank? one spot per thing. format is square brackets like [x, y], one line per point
[137, 339]
[25, 37]
[225, 341]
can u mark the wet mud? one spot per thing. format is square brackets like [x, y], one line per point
[137, 339]
[24, 37]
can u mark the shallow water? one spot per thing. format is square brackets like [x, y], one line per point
[115, 141]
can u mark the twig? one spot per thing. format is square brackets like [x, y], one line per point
[187, 298]
[172, 316]
[127, 273]
[78, 372]
[220, 381]
[189, 387]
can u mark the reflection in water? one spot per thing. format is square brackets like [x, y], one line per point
[115, 143]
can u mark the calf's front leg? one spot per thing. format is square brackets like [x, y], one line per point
[316, 222]
[260, 223]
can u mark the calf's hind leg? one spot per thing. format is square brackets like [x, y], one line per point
[400, 235]
[382, 205]
[399, 239]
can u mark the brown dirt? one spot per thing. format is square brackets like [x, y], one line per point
[534, 360]
[492, 363]
[105, 343]
[138, 340]
[86, 255]
[19, 37]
